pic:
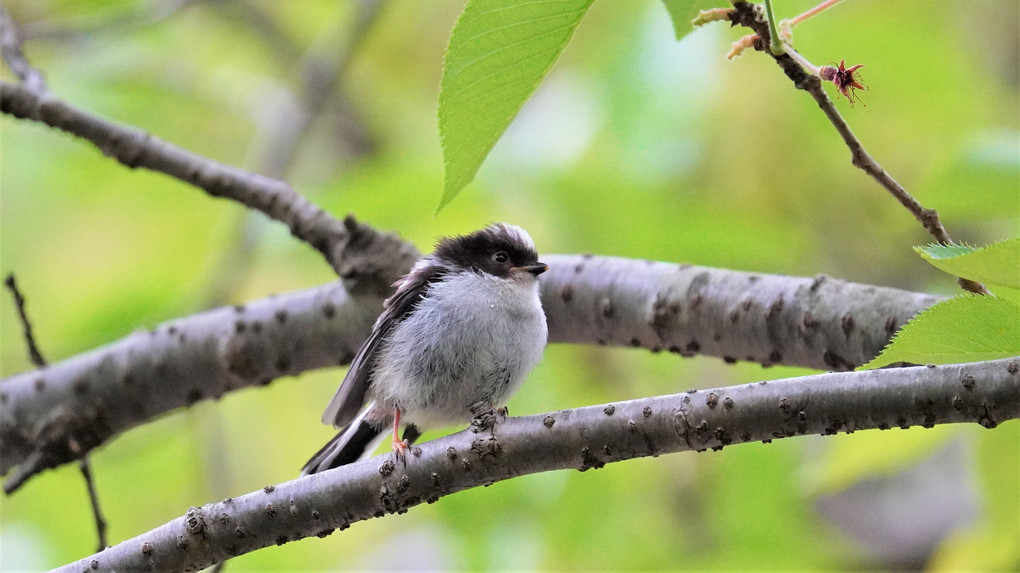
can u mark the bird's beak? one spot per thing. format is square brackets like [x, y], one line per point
[535, 269]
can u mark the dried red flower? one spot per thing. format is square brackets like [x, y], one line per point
[845, 79]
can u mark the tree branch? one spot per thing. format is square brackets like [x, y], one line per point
[37, 359]
[818, 323]
[276, 199]
[985, 393]
[26, 326]
[91, 397]
[750, 16]
[11, 50]
[97, 513]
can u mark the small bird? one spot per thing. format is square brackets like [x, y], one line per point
[455, 340]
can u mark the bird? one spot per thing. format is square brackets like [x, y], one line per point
[456, 339]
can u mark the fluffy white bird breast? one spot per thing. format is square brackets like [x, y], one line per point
[500, 336]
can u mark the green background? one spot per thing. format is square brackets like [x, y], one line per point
[636, 146]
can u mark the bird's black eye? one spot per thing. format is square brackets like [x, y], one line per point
[501, 257]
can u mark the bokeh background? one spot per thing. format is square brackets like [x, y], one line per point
[636, 145]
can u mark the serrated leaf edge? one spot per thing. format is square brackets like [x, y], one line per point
[871, 364]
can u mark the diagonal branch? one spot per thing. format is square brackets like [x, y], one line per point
[12, 52]
[751, 16]
[277, 200]
[26, 325]
[818, 322]
[986, 393]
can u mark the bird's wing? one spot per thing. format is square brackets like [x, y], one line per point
[349, 399]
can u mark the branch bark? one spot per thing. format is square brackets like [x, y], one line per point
[817, 322]
[276, 199]
[986, 393]
[89, 398]
[37, 358]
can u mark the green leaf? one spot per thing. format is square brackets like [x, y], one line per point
[1012, 294]
[498, 54]
[683, 12]
[997, 264]
[967, 328]
[937, 251]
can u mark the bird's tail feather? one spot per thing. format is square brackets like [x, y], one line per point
[353, 442]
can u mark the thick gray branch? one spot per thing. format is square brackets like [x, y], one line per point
[818, 323]
[90, 398]
[277, 200]
[987, 393]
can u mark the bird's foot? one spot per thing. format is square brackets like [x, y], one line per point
[400, 448]
[486, 418]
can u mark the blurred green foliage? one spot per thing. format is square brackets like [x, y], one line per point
[636, 145]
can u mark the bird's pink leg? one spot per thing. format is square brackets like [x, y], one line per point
[399, 446]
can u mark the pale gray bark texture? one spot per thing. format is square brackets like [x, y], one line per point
[87, 399]
[986, 393]
[78, 404]
[820, 322]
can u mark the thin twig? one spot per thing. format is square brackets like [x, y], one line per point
[812, 12]
[11, 48]
[97, 514]
[368, 261]
[39, 361]
[750, 16]
[776, 46]
[26, 325]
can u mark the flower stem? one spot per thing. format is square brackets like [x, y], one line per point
[811, 68]
[817, 9]
[775, 43]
